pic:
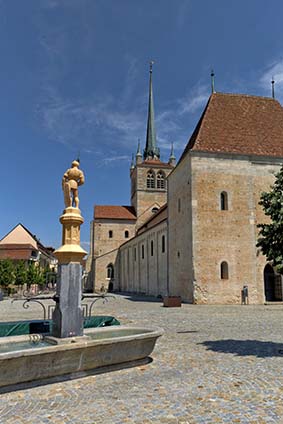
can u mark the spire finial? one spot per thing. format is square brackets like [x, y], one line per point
[172, 159]
[139, 148]
[212, 75]
[133, 162]
[138, 154]
[151, 151]
[172, 151]
[272, 88]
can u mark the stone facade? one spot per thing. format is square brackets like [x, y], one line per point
[144, 198]
[209, 236]
[143, 260]
[107, 237]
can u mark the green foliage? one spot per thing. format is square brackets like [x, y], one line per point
[20, 273]
[7, 272]
[270, 238]
[35, 275]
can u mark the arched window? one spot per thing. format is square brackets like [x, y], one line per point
[160, 178]
[224, 201]
[110, 234]
[150, 179]
[163, 244]
[126, 234]
[110, 271]
[224, 271]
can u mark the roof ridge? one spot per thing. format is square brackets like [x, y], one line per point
[244, 95]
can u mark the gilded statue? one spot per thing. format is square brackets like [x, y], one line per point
[72, 179]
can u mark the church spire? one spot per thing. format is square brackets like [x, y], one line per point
[151, 151]
[172, 158]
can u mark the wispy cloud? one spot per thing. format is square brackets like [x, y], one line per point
[195, 100]
[93, 122]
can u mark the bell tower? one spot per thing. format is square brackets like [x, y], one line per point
[148, 174]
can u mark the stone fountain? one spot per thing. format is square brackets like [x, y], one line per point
[70, 349]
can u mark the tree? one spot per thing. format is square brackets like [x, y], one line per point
[270, 238]
[34, 275]
[7, 272]
[20, 273]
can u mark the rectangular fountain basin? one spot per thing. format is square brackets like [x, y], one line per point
[22, 360]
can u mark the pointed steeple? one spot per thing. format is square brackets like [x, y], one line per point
[151, 150]
[133, 162]
[172, 158]
[138, 154]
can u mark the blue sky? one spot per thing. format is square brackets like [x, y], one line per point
[74, 78]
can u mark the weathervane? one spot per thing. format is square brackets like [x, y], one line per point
[212, 81]
[272, 88]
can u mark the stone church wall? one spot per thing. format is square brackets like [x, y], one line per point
[228, 235]
[105, 250]
[180, 231]
[143, 264]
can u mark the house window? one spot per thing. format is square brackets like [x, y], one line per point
[150, 180]
[160, 178]
[224, 201]
[142, 251]
[126, 234]
[151, 247]
[110, 271]
[224, 272]
[163, 244]
[110, 234]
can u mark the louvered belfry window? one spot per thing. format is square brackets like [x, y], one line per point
[150, 180]
[160, 180]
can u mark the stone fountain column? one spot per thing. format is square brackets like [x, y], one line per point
[68, 316]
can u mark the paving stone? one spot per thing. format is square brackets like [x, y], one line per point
[214, 364]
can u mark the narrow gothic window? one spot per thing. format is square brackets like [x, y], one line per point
[135, 254]
[179, 205]
[150, 180]
[224, 272]
[110, 271]
[126, 234]
[110, 234]
[224, 201]
[163, 244]
[160, 180]
[151, 247]
[142, 251]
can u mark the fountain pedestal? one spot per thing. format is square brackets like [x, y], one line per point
[68, 316]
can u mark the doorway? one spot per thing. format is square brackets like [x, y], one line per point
[272, 285]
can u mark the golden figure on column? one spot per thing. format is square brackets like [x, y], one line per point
[71, 220]
[72, 179]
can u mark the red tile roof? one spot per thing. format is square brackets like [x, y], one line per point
[114, 212]
[156, 162]
[237, 123]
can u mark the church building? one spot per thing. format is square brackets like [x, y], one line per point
[191, 229]
[114, 226]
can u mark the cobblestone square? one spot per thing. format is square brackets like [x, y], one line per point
[214, 364]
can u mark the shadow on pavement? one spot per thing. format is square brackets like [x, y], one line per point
[245, 347]
[139, 298]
